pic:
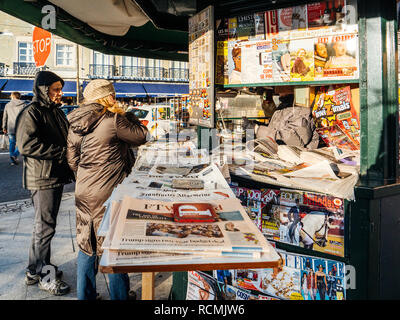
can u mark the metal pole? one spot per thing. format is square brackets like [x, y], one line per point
[77, 74]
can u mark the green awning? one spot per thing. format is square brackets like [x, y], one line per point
[145, 41]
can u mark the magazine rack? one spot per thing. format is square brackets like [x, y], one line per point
[372, 220]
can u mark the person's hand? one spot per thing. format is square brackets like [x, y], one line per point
[4, 131]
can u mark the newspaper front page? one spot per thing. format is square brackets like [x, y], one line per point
[149, 225]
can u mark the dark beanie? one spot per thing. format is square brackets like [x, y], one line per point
[46, 78]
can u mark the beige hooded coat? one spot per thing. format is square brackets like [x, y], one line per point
[99, 154]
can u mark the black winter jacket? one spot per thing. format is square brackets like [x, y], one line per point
[41, 133]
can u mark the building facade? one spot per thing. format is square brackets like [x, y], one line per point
[73, 62]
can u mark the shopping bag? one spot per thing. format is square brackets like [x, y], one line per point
[4, 142]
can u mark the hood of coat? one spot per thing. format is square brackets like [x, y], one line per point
[83, 119]
[43, 80]
[16, 103]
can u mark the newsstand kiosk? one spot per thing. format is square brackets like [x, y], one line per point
[372, 220]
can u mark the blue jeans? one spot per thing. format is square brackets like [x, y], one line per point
[13, 146]
[86, 280]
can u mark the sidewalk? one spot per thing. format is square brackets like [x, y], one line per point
[16, 223]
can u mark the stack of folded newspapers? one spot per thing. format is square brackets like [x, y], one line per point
[328, 170]
[177, 206]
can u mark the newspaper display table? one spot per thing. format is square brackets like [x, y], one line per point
[141, 234]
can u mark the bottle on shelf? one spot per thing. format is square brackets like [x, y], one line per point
[339, 13]
[327, 14]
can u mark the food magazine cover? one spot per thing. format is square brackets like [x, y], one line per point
[336, 57]
[301, 60]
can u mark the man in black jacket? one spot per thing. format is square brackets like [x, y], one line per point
[41, 132]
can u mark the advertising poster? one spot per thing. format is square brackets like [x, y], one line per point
[312, 221]
[336, 56]
[336, 119]
[301, 60]
[201, 68]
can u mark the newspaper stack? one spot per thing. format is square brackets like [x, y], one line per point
[327, 170]
[139, 225]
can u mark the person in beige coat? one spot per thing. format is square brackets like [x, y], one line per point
[99, 152]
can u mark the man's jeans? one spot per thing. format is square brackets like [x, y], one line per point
[12, 146]
[86, 280]
[46, 203]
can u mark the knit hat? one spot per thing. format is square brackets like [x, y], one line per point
[97, 89]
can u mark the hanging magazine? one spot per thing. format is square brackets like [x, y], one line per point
[336, 119]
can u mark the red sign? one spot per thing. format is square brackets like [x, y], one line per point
[41, 40]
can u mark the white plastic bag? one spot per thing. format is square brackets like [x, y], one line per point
[4, 141]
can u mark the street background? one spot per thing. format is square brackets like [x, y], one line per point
[11, 180]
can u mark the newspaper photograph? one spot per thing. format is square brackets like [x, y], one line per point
[149, 225]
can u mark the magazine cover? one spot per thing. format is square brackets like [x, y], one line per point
[259, 22]
[280, 59]
[335, 114]
[300, 278]
[232, 27]
[313, 221]
[235, 62]
[336, 56]
[270, 212]
[292, 18]
[221, 64]
[301, 60]
[282, 283]
[322, 279]
[271, 23]
[201, 286]
[249, 61]
[320, 14]
[246, 27]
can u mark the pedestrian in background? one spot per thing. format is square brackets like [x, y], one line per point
[42, 130]
[99, 151]
[11, 111]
